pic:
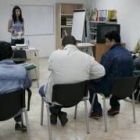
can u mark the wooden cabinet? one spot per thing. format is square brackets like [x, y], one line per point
[100, 49]
[64, 18]
[33, 57]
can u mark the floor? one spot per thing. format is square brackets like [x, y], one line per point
[121, 127]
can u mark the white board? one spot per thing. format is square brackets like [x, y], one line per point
[78, 24]
[38, 19]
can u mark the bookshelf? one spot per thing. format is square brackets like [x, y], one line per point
[64, 18]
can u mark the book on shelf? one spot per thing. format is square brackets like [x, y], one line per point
[63, 21]
[69, 18]
[105, 15]
[68, 23]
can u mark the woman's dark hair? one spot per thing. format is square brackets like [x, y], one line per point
[113, 35]
[69, 40]
[6, 51]
[14, 14]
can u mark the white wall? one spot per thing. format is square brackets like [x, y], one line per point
[45, 44]
[128, 16]
[90, 3]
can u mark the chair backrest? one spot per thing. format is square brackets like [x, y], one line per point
[19, 56]
[69, 95]
[125, 86]
[11, 103]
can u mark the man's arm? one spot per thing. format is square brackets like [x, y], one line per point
[96, 69]
[106, 61]
[28, 81]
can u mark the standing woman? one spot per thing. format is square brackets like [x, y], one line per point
[16, 27]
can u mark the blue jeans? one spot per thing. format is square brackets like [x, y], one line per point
[100, 87]
[55, 109]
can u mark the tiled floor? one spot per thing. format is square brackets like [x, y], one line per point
[121, 127]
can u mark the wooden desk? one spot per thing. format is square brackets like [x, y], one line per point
[100, 49]
[33, 57]
[96, 50]
[86, 47]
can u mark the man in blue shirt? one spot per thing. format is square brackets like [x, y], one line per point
[12, 76]
[117, 62]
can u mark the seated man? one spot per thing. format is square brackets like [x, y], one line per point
[136, 56]
[137, 48]
[69, 65]
[12, 76]
[117, 62]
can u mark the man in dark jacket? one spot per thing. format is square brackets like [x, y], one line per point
[117, 62]
[12, 77]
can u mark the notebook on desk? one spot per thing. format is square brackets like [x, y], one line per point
[21, 46]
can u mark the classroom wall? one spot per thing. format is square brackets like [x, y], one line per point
[45, 44]
[128, 16]
[90, 3]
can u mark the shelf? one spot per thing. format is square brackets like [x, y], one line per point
[93, 27]
[66, 26]
[93, 33]
[103, 22]
[98, 21]
[64, 19]
[67, 15]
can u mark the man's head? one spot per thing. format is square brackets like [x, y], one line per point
[69, 40]
[6, 51]
[112, 38]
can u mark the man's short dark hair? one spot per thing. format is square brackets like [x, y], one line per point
[6, 51]
[69, 40]
[113, 35]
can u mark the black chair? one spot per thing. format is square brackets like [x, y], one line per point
[67, 95]
[122, 88]
[137, 91]
[11, 104]
[21, 57]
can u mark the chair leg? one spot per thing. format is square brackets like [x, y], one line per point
[138, 97]
[75, 114]
[22, 120]
[133, 104]
[86, 116]
[37, 78]
[92, 103]
[105, 114]
[26, 119]
[42, 111]
[49, 125]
